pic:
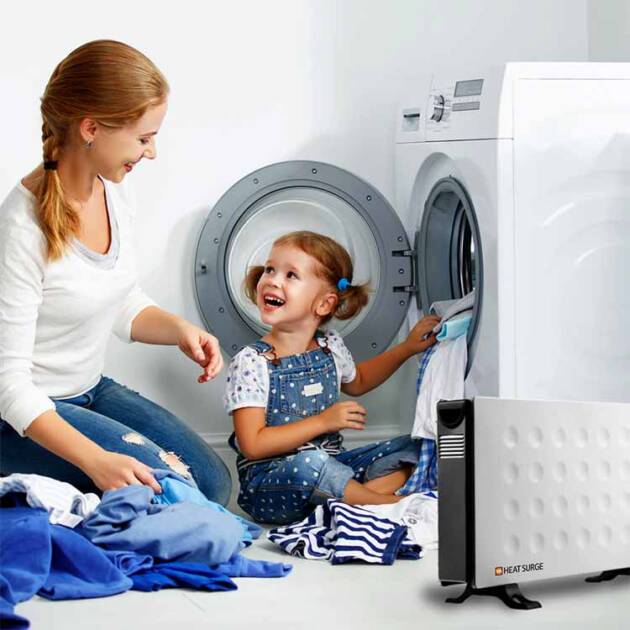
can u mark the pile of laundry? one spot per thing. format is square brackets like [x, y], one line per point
[61, 544]
[375, 534]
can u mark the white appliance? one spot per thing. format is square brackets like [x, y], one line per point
[517, 180]
[532, 490]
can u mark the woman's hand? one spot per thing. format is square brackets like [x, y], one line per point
[201, 347]
[110, 471]
[421, 336]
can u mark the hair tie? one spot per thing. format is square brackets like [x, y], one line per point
[343, 284]
[50, 165]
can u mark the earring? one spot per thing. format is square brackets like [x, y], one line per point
[88, 144]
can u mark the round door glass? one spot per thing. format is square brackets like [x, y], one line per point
[300, 208]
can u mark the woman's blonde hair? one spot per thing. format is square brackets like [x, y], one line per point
[334, 263]
[105, 80]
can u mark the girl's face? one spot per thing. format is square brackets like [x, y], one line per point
[289, 293]
[115, 152]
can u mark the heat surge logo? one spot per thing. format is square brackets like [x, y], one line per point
[518, 568]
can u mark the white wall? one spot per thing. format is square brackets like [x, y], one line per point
[608, 30]
[254, 83]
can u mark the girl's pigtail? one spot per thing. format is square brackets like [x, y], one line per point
[352, 300]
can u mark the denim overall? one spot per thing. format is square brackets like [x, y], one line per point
[283, 489]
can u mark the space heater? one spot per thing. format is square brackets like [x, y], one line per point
[531, 490]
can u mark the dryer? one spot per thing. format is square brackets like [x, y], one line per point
[515, 182]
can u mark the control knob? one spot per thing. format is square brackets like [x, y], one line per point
[438, 108]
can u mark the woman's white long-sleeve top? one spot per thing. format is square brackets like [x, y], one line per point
[56, 317]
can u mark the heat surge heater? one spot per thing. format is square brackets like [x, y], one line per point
[532, 490]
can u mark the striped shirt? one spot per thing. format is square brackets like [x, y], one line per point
[343, 533]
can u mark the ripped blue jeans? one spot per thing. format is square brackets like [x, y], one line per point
[120, 420]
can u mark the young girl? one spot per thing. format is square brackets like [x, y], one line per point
[283, 390]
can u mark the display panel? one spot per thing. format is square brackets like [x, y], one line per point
[469, 88]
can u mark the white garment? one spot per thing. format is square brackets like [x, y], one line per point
[56, 317]
[63, 502]
[443, 380]
[419, 512]
[248, 374]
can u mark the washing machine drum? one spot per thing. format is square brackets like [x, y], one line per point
[301, 195]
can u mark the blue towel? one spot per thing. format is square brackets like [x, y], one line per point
[126, 520]
[176, 489]
[50, 560]
[181, 575]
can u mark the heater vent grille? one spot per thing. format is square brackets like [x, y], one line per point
[451, 447]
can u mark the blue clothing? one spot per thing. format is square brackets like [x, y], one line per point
[181, 575]
[284, 489]
[345, 533]
[126, 520]
[129, 562]
[50, 560]
[424, 476]
[454, 328]
[240, 566]
[106, 414]
[176, 489]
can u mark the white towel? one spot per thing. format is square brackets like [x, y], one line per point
[419, 512]
[443, 380]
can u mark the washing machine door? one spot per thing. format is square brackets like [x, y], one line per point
[448, 251]
[303, 195]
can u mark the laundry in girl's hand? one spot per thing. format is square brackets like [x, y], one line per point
[283, 390]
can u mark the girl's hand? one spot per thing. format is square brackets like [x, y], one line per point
[201, 347]
[421, 336]
[110, 471]
[344, 415]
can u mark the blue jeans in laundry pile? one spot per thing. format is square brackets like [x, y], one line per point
[287, 489]
[121, 421]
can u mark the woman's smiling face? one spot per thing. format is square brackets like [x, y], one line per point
[115, 152]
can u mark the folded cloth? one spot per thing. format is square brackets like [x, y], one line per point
[345, 533]
[63, 502]
[443, 380]
[51, 560]
[181, 575]
[418, 512]
[455, 327]
[126, 520]
[176, 489]
[447, 309]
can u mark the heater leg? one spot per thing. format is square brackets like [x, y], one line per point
[605, 576]
[509, 594]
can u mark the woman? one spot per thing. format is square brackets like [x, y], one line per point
[67, 278]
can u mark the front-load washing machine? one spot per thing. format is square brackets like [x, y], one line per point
[513, 182]
[516, 181]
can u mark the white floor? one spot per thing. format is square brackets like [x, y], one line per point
[319, 595]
